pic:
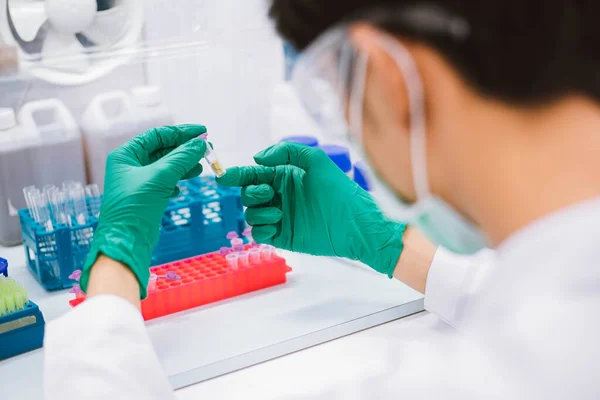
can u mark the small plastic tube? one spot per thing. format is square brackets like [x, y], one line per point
[211, 157]
[266, 252]
[254, 255]
[247, 233]
[232, 260]
[27, 192]
[243, 258]
[58, 204]
[48, 191]
[152, 283]
[230, 235]
[77, 197]
[172, 276]
[41, 211]
[237, 244]
[92, 193]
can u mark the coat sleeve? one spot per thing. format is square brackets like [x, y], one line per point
[101, 350]
[452, 280]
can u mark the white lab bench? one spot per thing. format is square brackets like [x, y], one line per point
[324, 299]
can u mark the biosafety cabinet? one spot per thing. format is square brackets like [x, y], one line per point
[80, 77]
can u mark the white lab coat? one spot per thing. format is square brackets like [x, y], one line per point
[520, 323]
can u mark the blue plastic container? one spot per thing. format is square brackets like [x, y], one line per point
[340, 155]
[22, 331]
[194, 223]
[305, 140]
[361, 174]
[3, 267]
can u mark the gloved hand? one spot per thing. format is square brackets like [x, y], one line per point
[141, 176]
[299, 200]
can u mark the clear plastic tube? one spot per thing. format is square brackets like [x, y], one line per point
[152, 283]
[211, 158]
[237, 244]
[254, 255]
[58, 205]
[243, 258]
[27, 191]
[41, 211]
[92, 193]
[77, 197]
[232, 260]
[266, 252]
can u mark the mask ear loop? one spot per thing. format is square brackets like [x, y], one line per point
[414, 88]
[357, 95]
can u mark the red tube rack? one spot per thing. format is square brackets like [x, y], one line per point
[206, 279]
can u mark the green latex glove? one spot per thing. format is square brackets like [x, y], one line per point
[299, 200]
[141, 176]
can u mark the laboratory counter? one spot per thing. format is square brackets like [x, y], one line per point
[327, 326]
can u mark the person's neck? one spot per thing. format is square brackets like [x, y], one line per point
[551, 162]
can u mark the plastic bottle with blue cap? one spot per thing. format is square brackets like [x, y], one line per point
[361, 175]
[340, 155]
[305, 140]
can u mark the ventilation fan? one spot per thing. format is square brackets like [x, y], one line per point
[71, 42]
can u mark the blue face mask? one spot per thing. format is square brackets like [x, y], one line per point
[435, 218]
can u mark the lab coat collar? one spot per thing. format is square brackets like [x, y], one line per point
[567, 227]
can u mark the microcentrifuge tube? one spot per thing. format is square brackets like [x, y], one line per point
[254, 254]
[211, 158]
[237, 244]
[243, 258]
[230, 235]
[266, 252]
[152, 283]
[232, 260]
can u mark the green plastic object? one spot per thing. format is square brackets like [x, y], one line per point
[299, 200]
[141, 177]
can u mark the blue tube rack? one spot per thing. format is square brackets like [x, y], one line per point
[21, 331]
[195, 222]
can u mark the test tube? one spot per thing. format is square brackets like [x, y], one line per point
[48, 190]
[27, 191]
[254, 255]
[152, 283]
[58, 204]
[243, 258]
[41, 212]
[232, 260]
[237, 244]
[266, 252]
[92, 193]
[77, 197]
[211, 157]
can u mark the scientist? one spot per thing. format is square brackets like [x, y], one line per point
[481, 121]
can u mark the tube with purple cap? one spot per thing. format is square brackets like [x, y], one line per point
[211, 157]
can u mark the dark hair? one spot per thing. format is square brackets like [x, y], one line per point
[519, 51]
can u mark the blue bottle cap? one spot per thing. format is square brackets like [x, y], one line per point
[3, 267]
[361, 174]
[340, 155]
[305, 140]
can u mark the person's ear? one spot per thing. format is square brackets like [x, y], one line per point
[387, 102]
